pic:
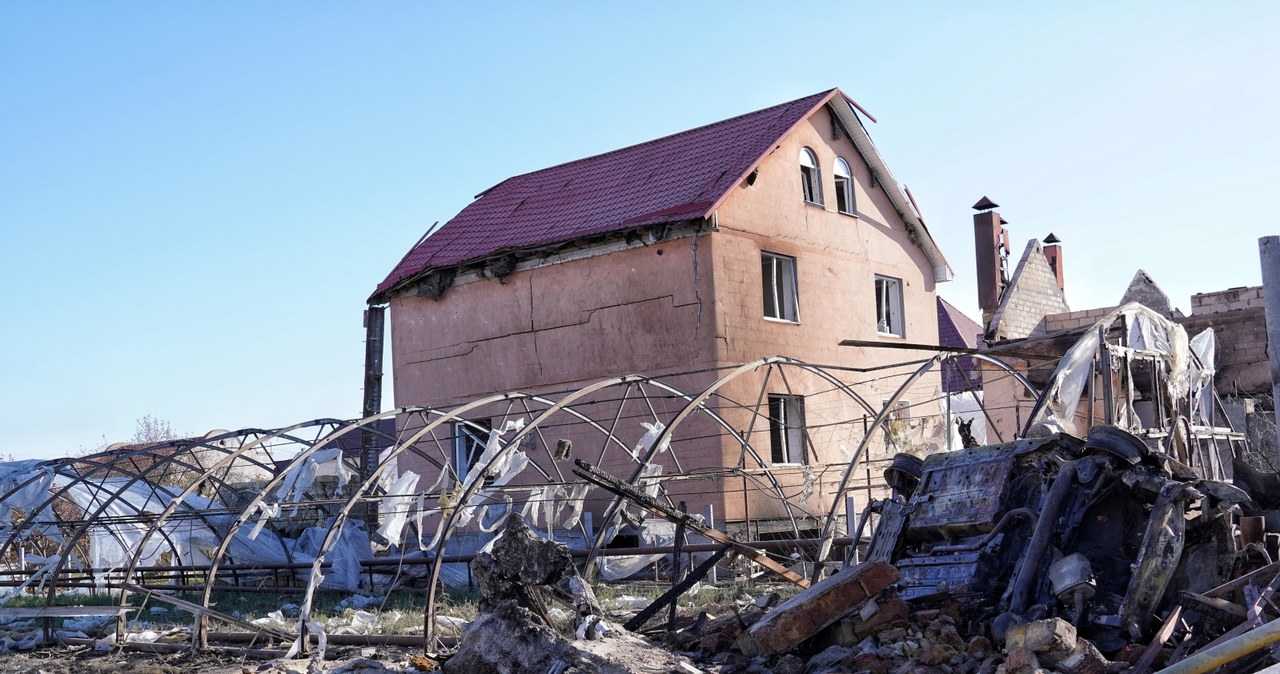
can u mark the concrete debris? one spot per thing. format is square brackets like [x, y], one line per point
[515, 633]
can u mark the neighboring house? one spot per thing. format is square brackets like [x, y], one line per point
[955, 329]
[780, 231]
[961, 377]
[1028, 323]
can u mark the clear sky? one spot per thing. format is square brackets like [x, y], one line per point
[196, 198]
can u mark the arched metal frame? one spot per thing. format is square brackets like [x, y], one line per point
[142, 465]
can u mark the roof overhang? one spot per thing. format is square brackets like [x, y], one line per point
[843, 107]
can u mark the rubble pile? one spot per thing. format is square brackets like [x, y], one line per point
[516, 632]
[879, 634]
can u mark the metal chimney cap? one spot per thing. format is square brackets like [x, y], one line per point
[1051, 239]
[985, 204]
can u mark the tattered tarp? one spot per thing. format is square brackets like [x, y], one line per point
[123, 510]
[1147, 330]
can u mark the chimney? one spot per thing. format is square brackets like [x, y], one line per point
[1053, 253]
[991, 250]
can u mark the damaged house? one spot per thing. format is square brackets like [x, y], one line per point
[780, 231]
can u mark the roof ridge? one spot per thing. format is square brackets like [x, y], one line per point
[662, 138]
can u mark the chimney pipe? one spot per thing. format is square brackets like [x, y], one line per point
[991, 250]
[1053, 253]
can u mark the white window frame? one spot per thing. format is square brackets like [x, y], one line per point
[889, 319]
[469, 440]
[844, 187]
[779, 287]
[810, 177]
[788, 440]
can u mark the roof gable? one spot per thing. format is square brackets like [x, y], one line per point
[955, 329]
[1032, 294]
[676, 178]
[1143, 289]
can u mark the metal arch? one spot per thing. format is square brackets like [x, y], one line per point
[450, 522]
[90, 521]
[304, 611]
[227, 461]
[698, 402]
[828, 527]
[1026, 383]
[271, 484]
[65, 469]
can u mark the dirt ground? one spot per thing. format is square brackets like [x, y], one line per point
[85, 660]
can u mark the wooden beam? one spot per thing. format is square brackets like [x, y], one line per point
[612, 484]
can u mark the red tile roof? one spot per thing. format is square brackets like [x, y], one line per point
[679, 177]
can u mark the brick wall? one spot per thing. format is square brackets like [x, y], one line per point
[1243, 365]
[1226, 300]
[1073, 320]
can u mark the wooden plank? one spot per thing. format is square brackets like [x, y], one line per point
[1153, 649]
[1268, 571]
[610, 483]
[669, 597]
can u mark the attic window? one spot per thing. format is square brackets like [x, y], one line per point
[810, 178]
[844, 186]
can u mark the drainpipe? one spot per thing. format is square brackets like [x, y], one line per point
[374, 321]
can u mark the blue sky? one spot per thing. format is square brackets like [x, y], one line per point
[196, 198]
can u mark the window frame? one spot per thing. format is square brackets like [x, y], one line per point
[788, 434]
[845, 202]
[889, 307]
[810, 177]
[470, 437]
[780, 292]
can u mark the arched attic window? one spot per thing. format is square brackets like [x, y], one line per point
[810, 178]
[844, 186]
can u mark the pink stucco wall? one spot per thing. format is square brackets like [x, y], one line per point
[695, 303]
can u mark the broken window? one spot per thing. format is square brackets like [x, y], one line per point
[844, 186]
[469, 440]
[900, 411]
[810, 178]
[889, 306]
[786, 428]
[781, 298]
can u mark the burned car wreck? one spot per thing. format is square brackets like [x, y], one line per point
[1102, 532]
[1114, 530]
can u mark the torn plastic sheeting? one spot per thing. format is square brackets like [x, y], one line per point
[38, 577]
[577, 498]
[1147, 330]
[400, 498]
[362, 622]
[649, 478]
[299, 477]
[1201, 370]
[519, 460]
[344, 557]
[13, 474]
[323, 642]
[650, 534]
[652, 431]
[491, 448]
[965, 406]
